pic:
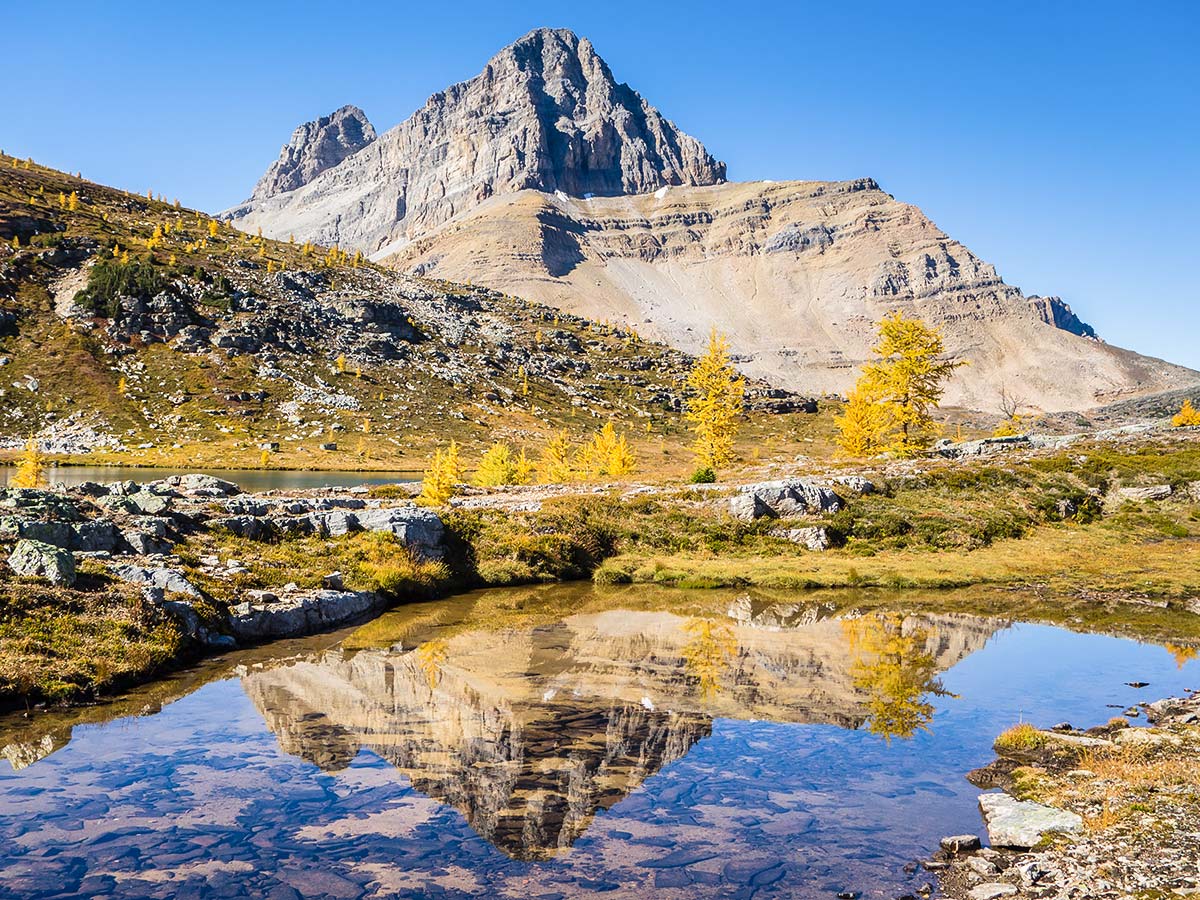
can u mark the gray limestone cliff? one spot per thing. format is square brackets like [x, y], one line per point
[545, 113]
[316, 146]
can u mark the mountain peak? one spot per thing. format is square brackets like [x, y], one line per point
[314, 147]
[545, 113]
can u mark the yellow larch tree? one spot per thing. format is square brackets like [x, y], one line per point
[442, 478]
[909, 377]
[606, 454]
[1187, 417]
[865, 425]
[31, 467]
[554, 465]
[496, 466]
[714, 404]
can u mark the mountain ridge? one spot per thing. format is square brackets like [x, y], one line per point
[544, 177]
[797, 274]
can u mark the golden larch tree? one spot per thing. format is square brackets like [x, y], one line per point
[714, 405]
[1187, 417]
[442, 478]
[865, 425]
[554, 465]
[909, 377]
[31, 467]
[606, 454]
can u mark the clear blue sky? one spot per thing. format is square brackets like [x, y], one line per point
[1059, 141]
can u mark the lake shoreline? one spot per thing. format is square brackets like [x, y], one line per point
[1124, 794]
[1076, 539]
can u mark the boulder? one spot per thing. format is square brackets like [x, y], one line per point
[39, 504]
[1142, 494]
[748, 507]
[202, 486]
[812, 538]
[171, 580]
[783, 499]
[149, 503]
[96, 535]
[144, 543]
[57, 533]
[992, 890]
[333, 523]
[421, 530]
[1193, 491]
[247, 526]
[42, 560]
[855, 483]
[960, 843]
[247, 506]
[1021, 823]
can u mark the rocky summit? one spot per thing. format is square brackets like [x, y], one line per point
[314, 147]
[544, 114]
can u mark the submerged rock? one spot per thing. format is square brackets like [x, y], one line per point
[1021, 823]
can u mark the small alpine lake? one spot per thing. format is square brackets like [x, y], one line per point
[247, 479]
[559, 741]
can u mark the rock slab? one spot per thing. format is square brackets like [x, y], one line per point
[1021, 823]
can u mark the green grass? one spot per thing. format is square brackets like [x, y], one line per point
[58, 645]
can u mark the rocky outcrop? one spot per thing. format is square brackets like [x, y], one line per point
[133, 529]
[783, 499]
[545, 113]
[316, 146]
[270, 616]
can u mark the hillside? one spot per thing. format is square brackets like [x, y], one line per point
[129, 323]
[798, 274]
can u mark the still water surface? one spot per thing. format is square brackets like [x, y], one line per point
[247, 479]
[549, 743]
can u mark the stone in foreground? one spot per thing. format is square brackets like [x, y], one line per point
[992, 891]
[1021, 823]
[301, 614]
[960, 843]
[38, 559]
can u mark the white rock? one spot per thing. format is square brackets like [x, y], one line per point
[1021, 823]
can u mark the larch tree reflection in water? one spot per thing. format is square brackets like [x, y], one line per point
[430, 657]
[1181, 654]
[896, 671]
[708, 653]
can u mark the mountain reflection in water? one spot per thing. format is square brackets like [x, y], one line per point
[563, 741]
[530, 731]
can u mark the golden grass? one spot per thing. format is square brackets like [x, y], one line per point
[1065, 558]
[1021, 737]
